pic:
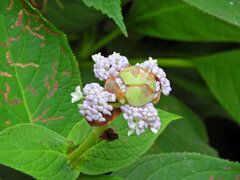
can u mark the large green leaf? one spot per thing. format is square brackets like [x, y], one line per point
[174, 19]
[101, 177]
[221, 73]
[36, 151]
[110, 156]
[177, 166]
[225, 10]
[188, 134]
[37, 71]
[73, 17]
[110, 7]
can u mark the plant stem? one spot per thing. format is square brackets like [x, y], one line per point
[88, 143]
[105, 40]
[162, 62]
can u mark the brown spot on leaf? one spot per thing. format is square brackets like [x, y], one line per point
[9, 61]
[34, 33]
[5, 94]
[33, 90]
[26, 65]
[109, 135]
[5, 74]
[108, 119]
[51, 32]
[3, 45]
[19, 20]
[39, 27]
[41, 142]
[39, 117]
[42, 45]
[228, 168]
[211, 177]
[126, 140]
[11, 5]
[46, 82]
[67, 73]
[54, 118]
[14, 38]
[29, 21]
[53, 90]
[30, 14]
[54, 70]
[238, 177]
[63, 51]
[8, 122]
[14, 102]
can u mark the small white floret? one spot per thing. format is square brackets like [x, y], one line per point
[77, 95]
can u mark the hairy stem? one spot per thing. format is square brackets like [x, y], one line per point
[88, 143]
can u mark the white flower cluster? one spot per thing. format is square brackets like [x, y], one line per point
[95, 103]
[105, 66]
[141, 117]
[152, 66]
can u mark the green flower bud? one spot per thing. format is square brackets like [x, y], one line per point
[141, 85]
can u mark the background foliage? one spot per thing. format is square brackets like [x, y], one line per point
[195, 41]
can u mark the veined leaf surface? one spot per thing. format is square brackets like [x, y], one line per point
[37, 71]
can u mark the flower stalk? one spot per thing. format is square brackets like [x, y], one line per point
[75, 156]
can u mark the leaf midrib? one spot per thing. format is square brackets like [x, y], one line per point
[17, 76]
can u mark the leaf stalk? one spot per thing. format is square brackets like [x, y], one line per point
[75, 156]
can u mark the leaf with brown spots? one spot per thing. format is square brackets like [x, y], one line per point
[177, 166]
[32, 78]
[35, 85]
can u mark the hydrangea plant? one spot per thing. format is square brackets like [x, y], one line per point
[132, 89]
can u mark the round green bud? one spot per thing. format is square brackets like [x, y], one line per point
[141, 85]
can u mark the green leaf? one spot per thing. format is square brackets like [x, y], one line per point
[188, 134]
[101, 177]
[36, 151]
[180, 166]
[221, 73]
[222, 9]
[176, 20]
[73, 17]
[110, 7]
[37, 71]
[110, 156]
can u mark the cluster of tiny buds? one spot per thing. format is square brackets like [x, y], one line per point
[95, 103]
[105, 66]
[141, 117]
[152, 66]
